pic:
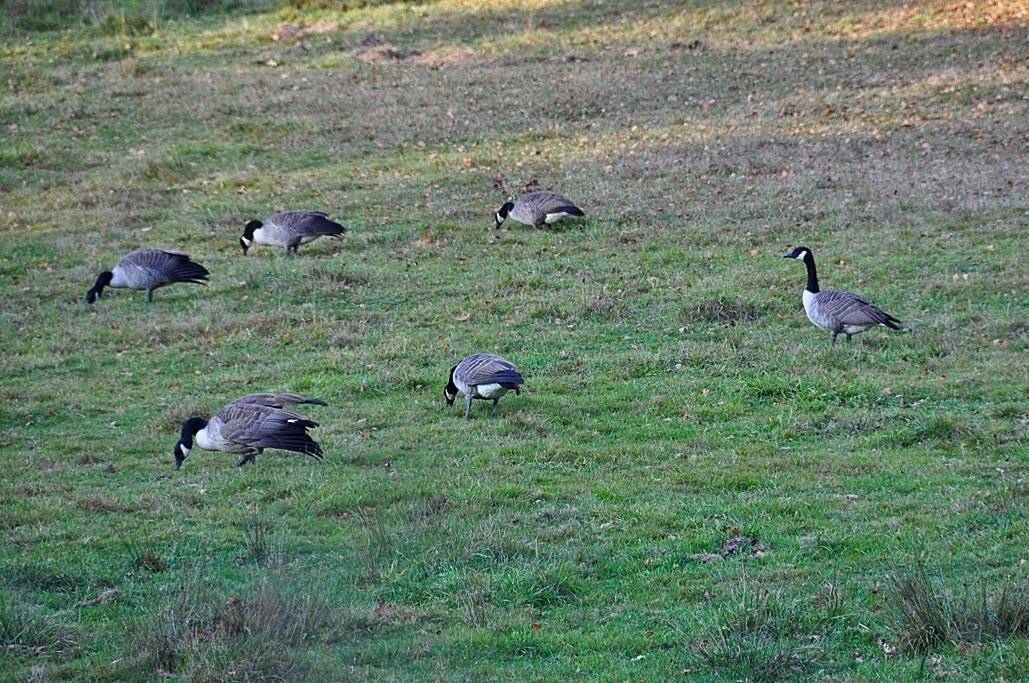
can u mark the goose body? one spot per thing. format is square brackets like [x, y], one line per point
[538, 209]
[148, 269]
[248, 425]
[838, 312]
[289, 230]
[482, 376]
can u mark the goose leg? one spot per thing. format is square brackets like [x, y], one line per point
[150, 296]
[247, 457]
[833, 342]
[495, 402]
[848, 338]
[468, 409]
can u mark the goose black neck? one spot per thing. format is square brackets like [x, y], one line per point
[189, 429]
[248, 229]
[102, 280]
[812, 273]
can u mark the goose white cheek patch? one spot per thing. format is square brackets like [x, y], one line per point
[184, 451]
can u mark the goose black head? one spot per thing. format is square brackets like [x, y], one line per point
[247, 238]
[102, 280]
[800, 253]
[450, 391]
[502, 213]
[189, 429]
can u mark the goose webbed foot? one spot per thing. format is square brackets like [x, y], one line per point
[495, 402]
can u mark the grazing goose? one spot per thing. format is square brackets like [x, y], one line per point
[149, 269]
[837, 312]
[484, 376]
[289, 230]
[538, 209]
[248, 425]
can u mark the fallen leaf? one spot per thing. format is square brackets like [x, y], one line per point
[463, 317]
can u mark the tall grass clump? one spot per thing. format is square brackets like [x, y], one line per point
[114, 17]
[928, 617]
[28, 629]
[757, 635]
[256, 633]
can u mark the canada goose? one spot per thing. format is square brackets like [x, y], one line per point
[538, 209]
[149, 269]
[484, 376]
[248, 425]
[835, 311]
[289, 230]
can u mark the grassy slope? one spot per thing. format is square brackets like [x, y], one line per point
[676, 393]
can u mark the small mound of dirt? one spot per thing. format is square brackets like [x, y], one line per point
[745, 546]
[383, 54]
[725, 311]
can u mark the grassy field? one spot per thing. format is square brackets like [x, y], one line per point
[677, 398]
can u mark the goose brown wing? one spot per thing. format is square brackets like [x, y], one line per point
[307, 223]
[486, 368]
[165, 266]
[551, 202]
[851, 309]
[260, 426]
[278, 400]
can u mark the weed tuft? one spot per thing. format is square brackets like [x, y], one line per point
[141, 553]
[258, 546]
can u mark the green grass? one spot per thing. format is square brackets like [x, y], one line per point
[676, 395]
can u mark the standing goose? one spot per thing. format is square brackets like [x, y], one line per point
[248, 425]
[835, 311]
[149, 269]
[484, 376]
[538, 209]
[289, 230]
